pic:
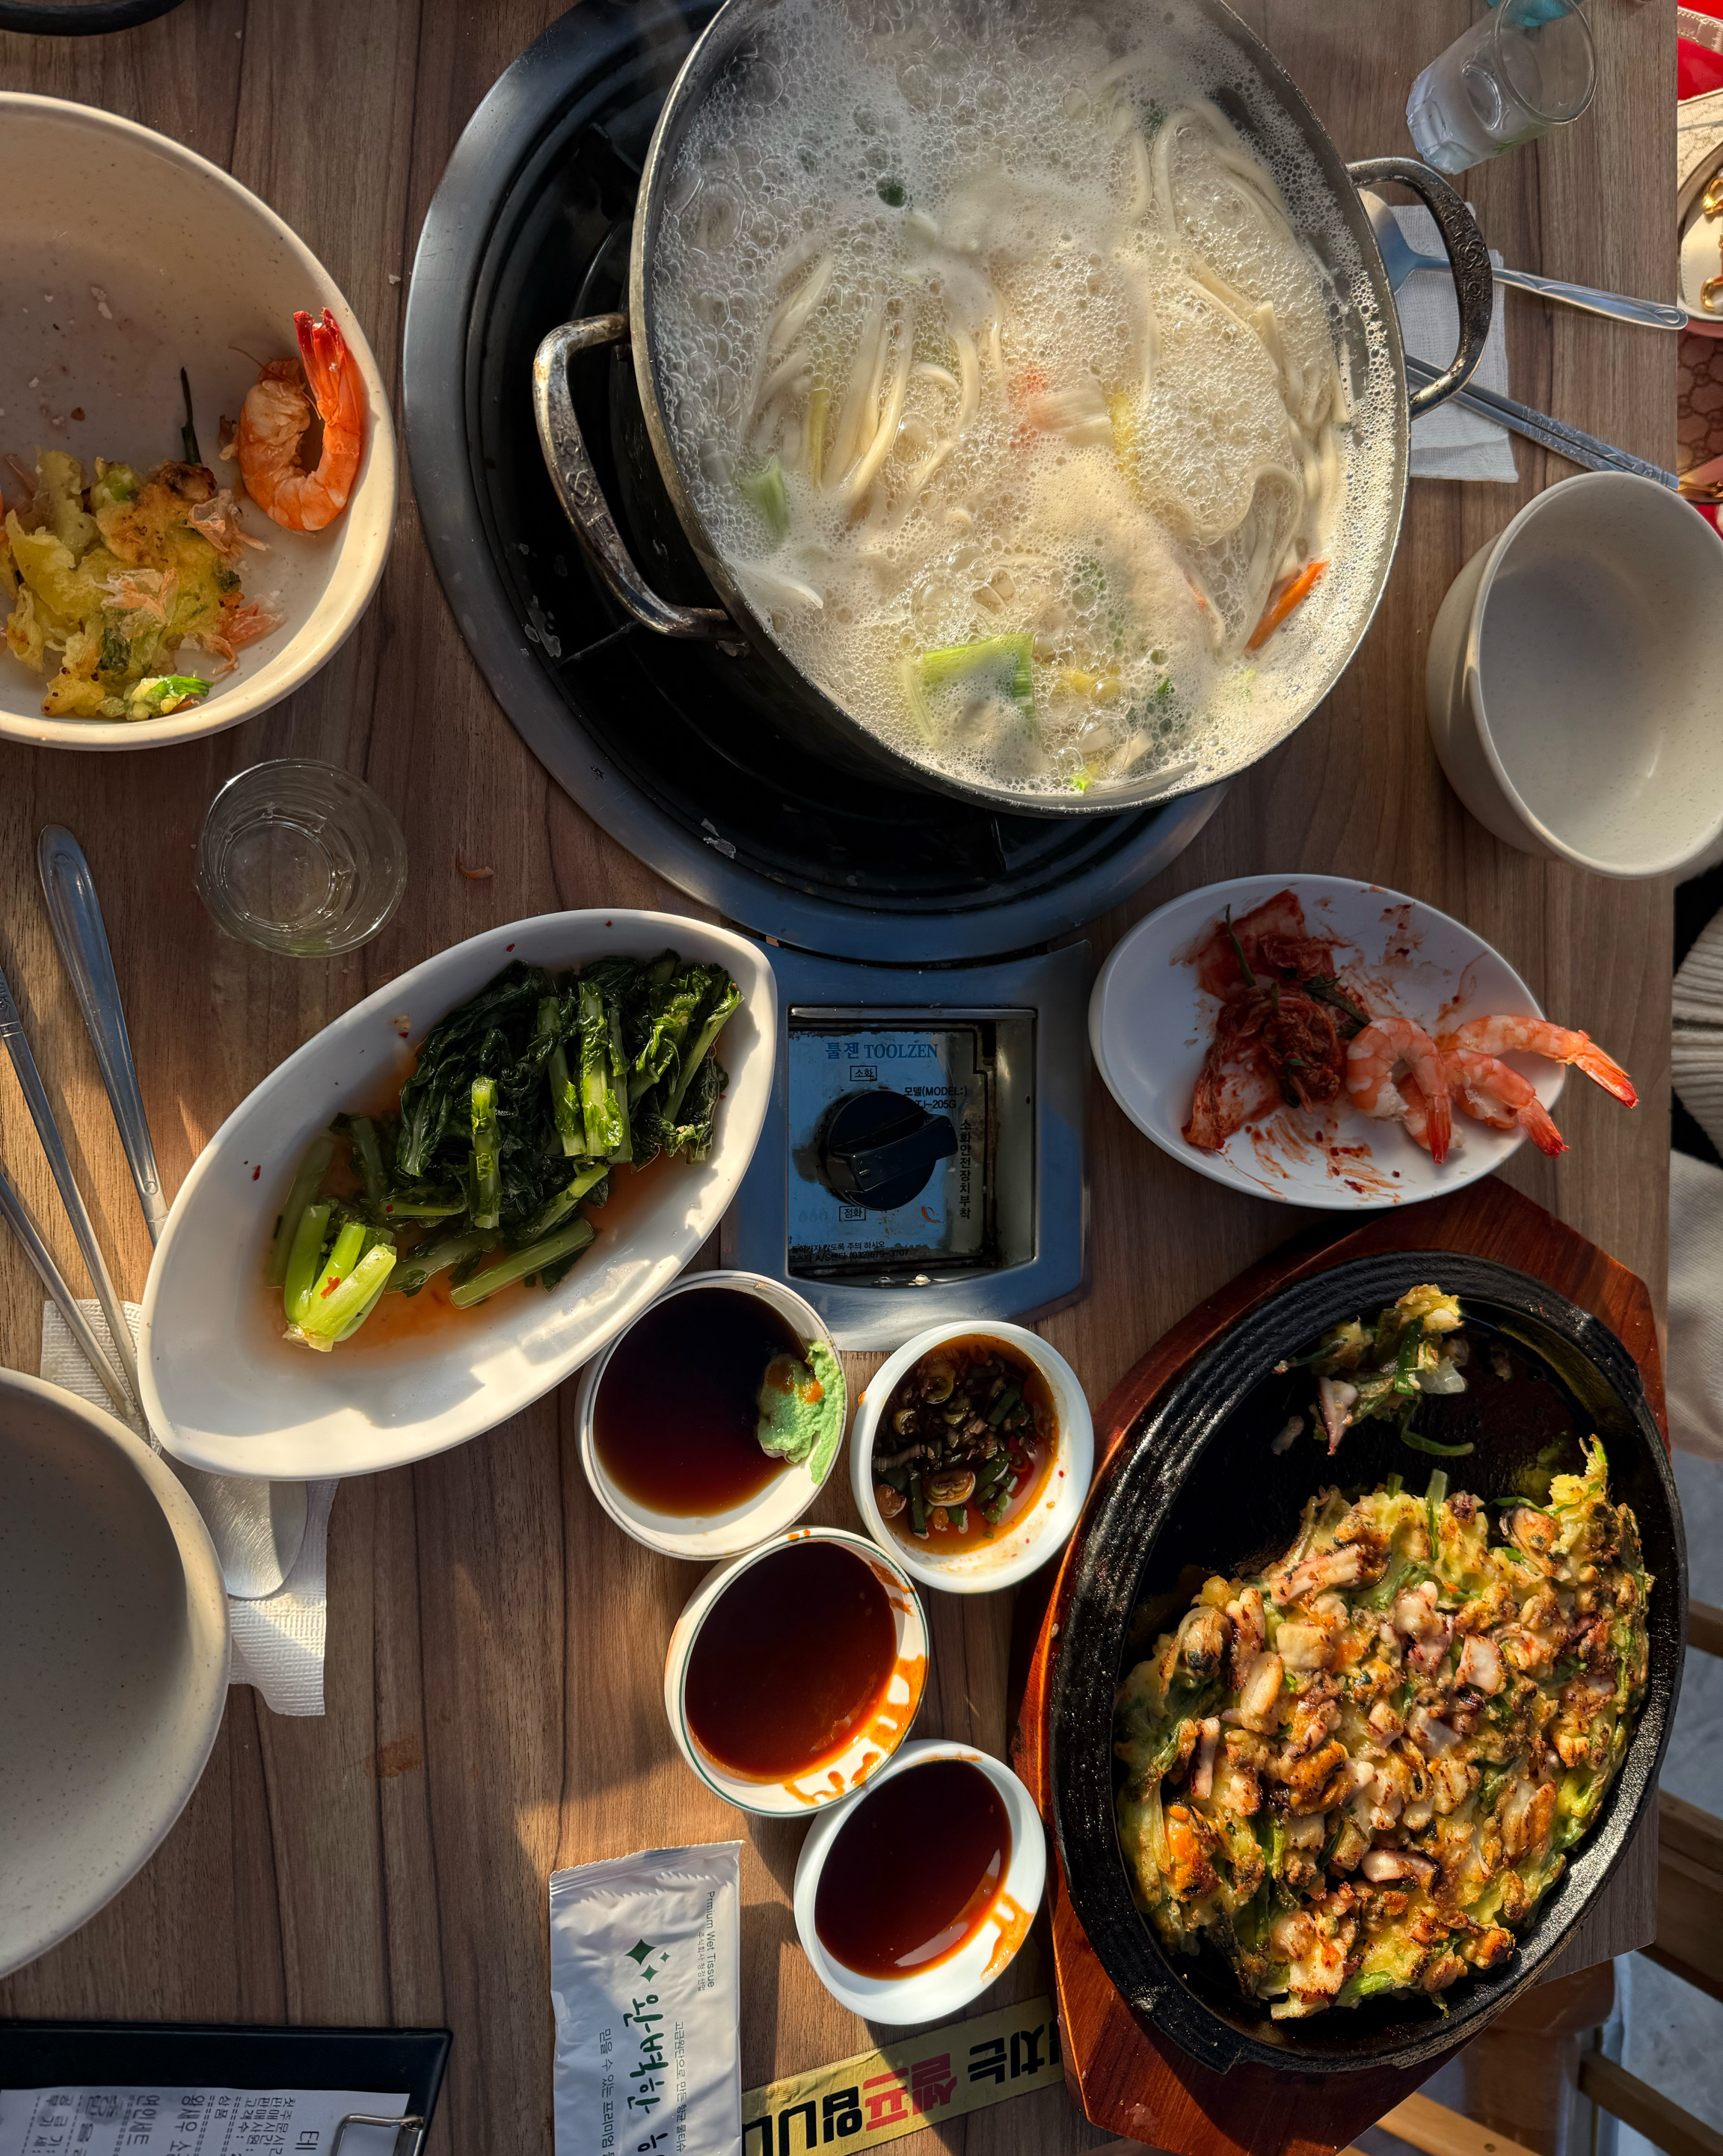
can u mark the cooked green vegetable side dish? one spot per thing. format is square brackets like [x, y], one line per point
[1357, 1771]
[520, 1105]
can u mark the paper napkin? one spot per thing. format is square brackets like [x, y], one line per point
[278, 1642]
[1449, 443]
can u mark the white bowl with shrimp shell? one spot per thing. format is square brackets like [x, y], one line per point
[135, 257]
[949, 1986]
[1034, 1536]
[867, 1753]
[225, 1391]
[1150, 1025]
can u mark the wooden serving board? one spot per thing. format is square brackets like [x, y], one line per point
[1132, 2079]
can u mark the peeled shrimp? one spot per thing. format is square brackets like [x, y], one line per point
[1496, 1093]
[1371, 1059]
[275, 417]
[1536, 1036]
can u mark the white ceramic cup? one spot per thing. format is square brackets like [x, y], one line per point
[768, 1512]
[1034, 1536]
[868, 1753]
[1573, 679]
[948, 1986]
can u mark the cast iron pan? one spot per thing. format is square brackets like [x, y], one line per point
[1196, 1485]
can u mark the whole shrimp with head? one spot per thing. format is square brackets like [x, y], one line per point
[276, 417]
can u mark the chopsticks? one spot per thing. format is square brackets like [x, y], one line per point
[18, 1219]
[1555, 434]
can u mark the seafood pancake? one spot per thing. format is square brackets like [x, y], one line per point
[1360, 1770]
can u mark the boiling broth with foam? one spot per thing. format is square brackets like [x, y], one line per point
[1010, 395]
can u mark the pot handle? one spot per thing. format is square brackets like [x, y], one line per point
[1468, 260]
[582, 498]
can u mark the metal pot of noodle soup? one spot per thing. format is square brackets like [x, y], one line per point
[1026, 380]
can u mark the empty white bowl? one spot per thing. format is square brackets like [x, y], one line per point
[1572, 679]
[124, 257]
[868, 1753]
[949, 1986]
[1036, 1535]
[224, 1391]
[115, 1669]
[770, 1511]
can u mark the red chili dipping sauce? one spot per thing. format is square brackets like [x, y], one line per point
[913, 1871]
[791, 1662]
[677, 1415]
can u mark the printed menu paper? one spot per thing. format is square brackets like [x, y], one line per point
[203, 2122]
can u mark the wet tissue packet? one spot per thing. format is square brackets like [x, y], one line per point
[646, 1985]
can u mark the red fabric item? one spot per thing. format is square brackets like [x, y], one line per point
[1698, 68]
[1713, 8]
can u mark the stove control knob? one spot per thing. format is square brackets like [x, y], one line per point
[879, 1149]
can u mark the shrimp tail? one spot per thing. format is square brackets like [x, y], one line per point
[323, 351]
[1416, 1111]
[1605, 1072]
[1440, 1112]
[1535, 1120]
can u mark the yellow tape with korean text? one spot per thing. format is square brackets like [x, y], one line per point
[878, 2096]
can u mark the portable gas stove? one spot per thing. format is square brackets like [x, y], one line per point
[922, 1158]
[690, 754]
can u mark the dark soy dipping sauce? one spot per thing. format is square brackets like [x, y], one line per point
[913, 1871]
[677, 1410]
[791, 1661]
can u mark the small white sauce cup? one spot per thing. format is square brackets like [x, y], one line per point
[769, 1511]
[948, 1986]
[868, 1753]
[1571, 681]
[1035, 1535]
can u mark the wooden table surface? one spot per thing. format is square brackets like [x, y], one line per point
[493, 1644]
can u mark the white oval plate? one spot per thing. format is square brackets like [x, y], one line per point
[223, 1390]
[1150, 1025]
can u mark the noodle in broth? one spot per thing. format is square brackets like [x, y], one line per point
[1011, 398]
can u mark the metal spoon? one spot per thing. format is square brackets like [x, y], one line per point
[257, 1527]
[1400, 258]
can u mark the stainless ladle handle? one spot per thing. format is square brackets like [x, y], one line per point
[76, 918]
[1469, 265]
[570, 465]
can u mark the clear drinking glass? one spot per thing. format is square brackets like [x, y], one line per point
[1525, 67]
[300, 857]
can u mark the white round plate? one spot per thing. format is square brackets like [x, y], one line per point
[1150, 1025]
